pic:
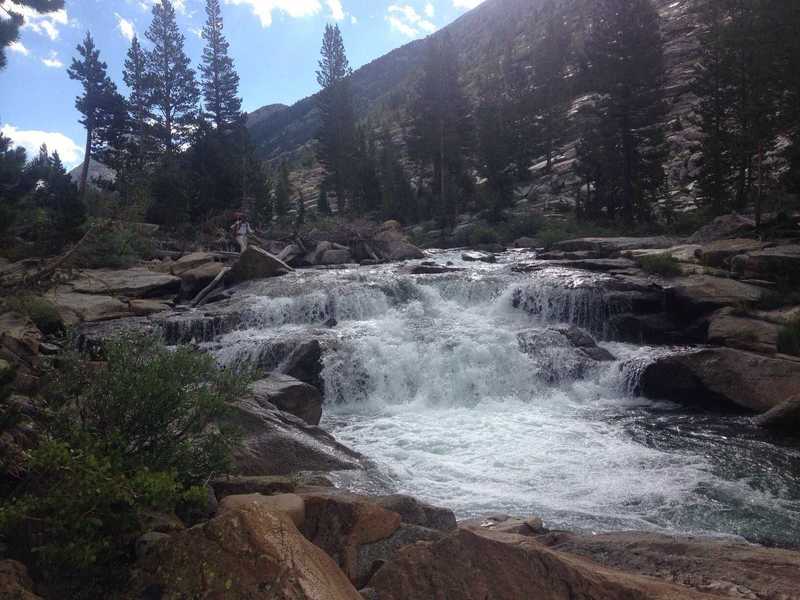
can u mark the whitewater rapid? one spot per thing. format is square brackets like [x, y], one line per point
[427, 377]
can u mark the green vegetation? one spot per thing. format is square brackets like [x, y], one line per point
[665, 265]
[117, 245]
[789, 338]
[136, 433]
[42, 312]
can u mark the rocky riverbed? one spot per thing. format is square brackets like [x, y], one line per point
[529, 393]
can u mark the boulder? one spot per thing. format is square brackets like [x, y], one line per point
[527, 242]
[781, 263]
[305, 364]
[15, 583]
[371, 557]
[239, 485]
[416, 512]
[557, 358]
[137, 282]
[613, 246]
[727, 329]
[685, 253]
[291, 505]
[397, 250]
[336, 256]
[719, 253]
[505, 524]
[722, 376]
[195, 279]
[478, 257]
[698, 294]
[145, 308]
[290, 395]
[467, 566]
[19, 342]
[290, 254]
[580, 338]
[256, 263]
[241, 554]
[341, 523]
[721, 568]
[190, 262]
[785, 417]
[77, 308]
[277, 443]
[724, 227]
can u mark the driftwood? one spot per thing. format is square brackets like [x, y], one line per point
[207, 291]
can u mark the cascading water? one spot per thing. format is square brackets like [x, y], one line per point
[460, 391]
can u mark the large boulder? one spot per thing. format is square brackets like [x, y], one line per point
[15, 583]
[700, 294]
[785, 417]
[77, 308]
[305, 364]
[274, 442]
[467, 566]
[336, 256]
[557, 357]
[722, 376]
[391, 244]
[781, 263]
[256, 263]
[416, 512]
[242, 554]
[195, 279]
[290, 395]
[291, 505]
[136, 282]
[726, 328]
[724, 227]
[719, 253]
[190, 262]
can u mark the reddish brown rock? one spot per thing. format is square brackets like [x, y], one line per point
[15, 584]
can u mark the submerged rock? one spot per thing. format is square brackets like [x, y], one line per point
[290, 395]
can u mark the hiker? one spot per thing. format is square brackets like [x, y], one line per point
[241, 229]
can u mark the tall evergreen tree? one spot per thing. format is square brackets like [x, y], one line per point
[398, 197]
[140, 108]
[283, 191]
[9, 27]
[337, 134]
[219, 82]
[441, 137]
[100, 104]
[175, 92]
[626, 59]
[323, 207]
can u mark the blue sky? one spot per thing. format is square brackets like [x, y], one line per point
[274, 43]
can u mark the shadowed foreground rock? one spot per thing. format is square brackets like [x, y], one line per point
[468, 566]
[242, 554]
[15, 584]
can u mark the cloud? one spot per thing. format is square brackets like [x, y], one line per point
[430, 10]
[404, 19]
[295, 9]
[70, 152]
[126, 27]
[52, 60]
[47, 24]
[147, 5]
[19, 48]
[354, 19]
[469, 4]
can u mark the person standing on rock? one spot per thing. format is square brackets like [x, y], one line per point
[241, 229]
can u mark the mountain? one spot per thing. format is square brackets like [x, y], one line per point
[383, 90]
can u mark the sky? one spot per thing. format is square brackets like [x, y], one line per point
[274, 43]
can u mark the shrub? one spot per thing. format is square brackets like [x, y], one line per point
[41, 311]
[665, 265]
[789, 338]
[115, 247]
[483, 234]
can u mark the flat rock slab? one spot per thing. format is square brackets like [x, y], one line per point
[609, 246]
[719, 253]
[77, 308]
[135, 283]
[597, 264]
[685, 253]
[781, 263]
[703, 293]
[727, 329]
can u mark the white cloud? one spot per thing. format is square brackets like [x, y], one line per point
[406, 20]
[296, 9]
[469, 4]
[19, 48]
[42, 24]
[126, 27]
[196, 31]
[52, 60]
[430, 10]
[354, 19]
[70, 152]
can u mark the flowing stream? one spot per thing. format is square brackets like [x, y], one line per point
[463, 399]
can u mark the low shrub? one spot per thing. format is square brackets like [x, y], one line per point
[665, 265]
[789, 338]
[115, 247]
[40, 310]
[483, 234]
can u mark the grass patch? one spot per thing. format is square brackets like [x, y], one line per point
[789, 338]
[665, 265]
[39, 310]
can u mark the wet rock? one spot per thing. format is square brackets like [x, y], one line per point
[527, 242]
[717, 568]
[722, 376]
[336, 257]
[598, 264]
[144, 308]
[242, 554]
[785, 417]
[719, 253]
[15, 583]
[699, 294]
[371, 557]
[433, 270]
[468, 566]
[256, 263]
[291, 505]
[580, 338]
[505, 524]
[239, 485]
[195, 279]
[556, 357]
[727, 329]
[612, 246]
[416, 512]
[276, 443]
[685, 253]
[781, 263]
[290, 395]
[655, 328]
[724, 227]
[478, 257]
[305, 364]
[137, 282]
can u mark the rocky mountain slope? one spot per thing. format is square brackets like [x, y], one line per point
[384, 89]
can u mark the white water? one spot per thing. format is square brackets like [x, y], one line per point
[425, 376]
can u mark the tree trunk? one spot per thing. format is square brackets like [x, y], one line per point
[87, 157]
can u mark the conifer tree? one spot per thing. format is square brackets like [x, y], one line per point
[219, 82]
[100, 104]
[140, 107]
[262, 207]
[175, 92]
[398, 198]
[367, 186]
[323, 207]
[337, 134]
[283, 191]
[300, 217]
[9, 27]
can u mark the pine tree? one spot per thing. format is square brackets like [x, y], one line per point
[442, 127]
[367, 187]
[219, 82]
[626, 58]
[140, 108]
[398, 198]
[337, 134]
[301, 210]
[262, 208]
[175, 92]
[9, 27]
[283, 191]
[100, 104]
[323, 207]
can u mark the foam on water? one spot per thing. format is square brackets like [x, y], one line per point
[426, 376]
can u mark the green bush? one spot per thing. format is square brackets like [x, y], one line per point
[789, 338]
[483, 234]
[665, 265]
[39, 310]
[137, 433]
[115, 247]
